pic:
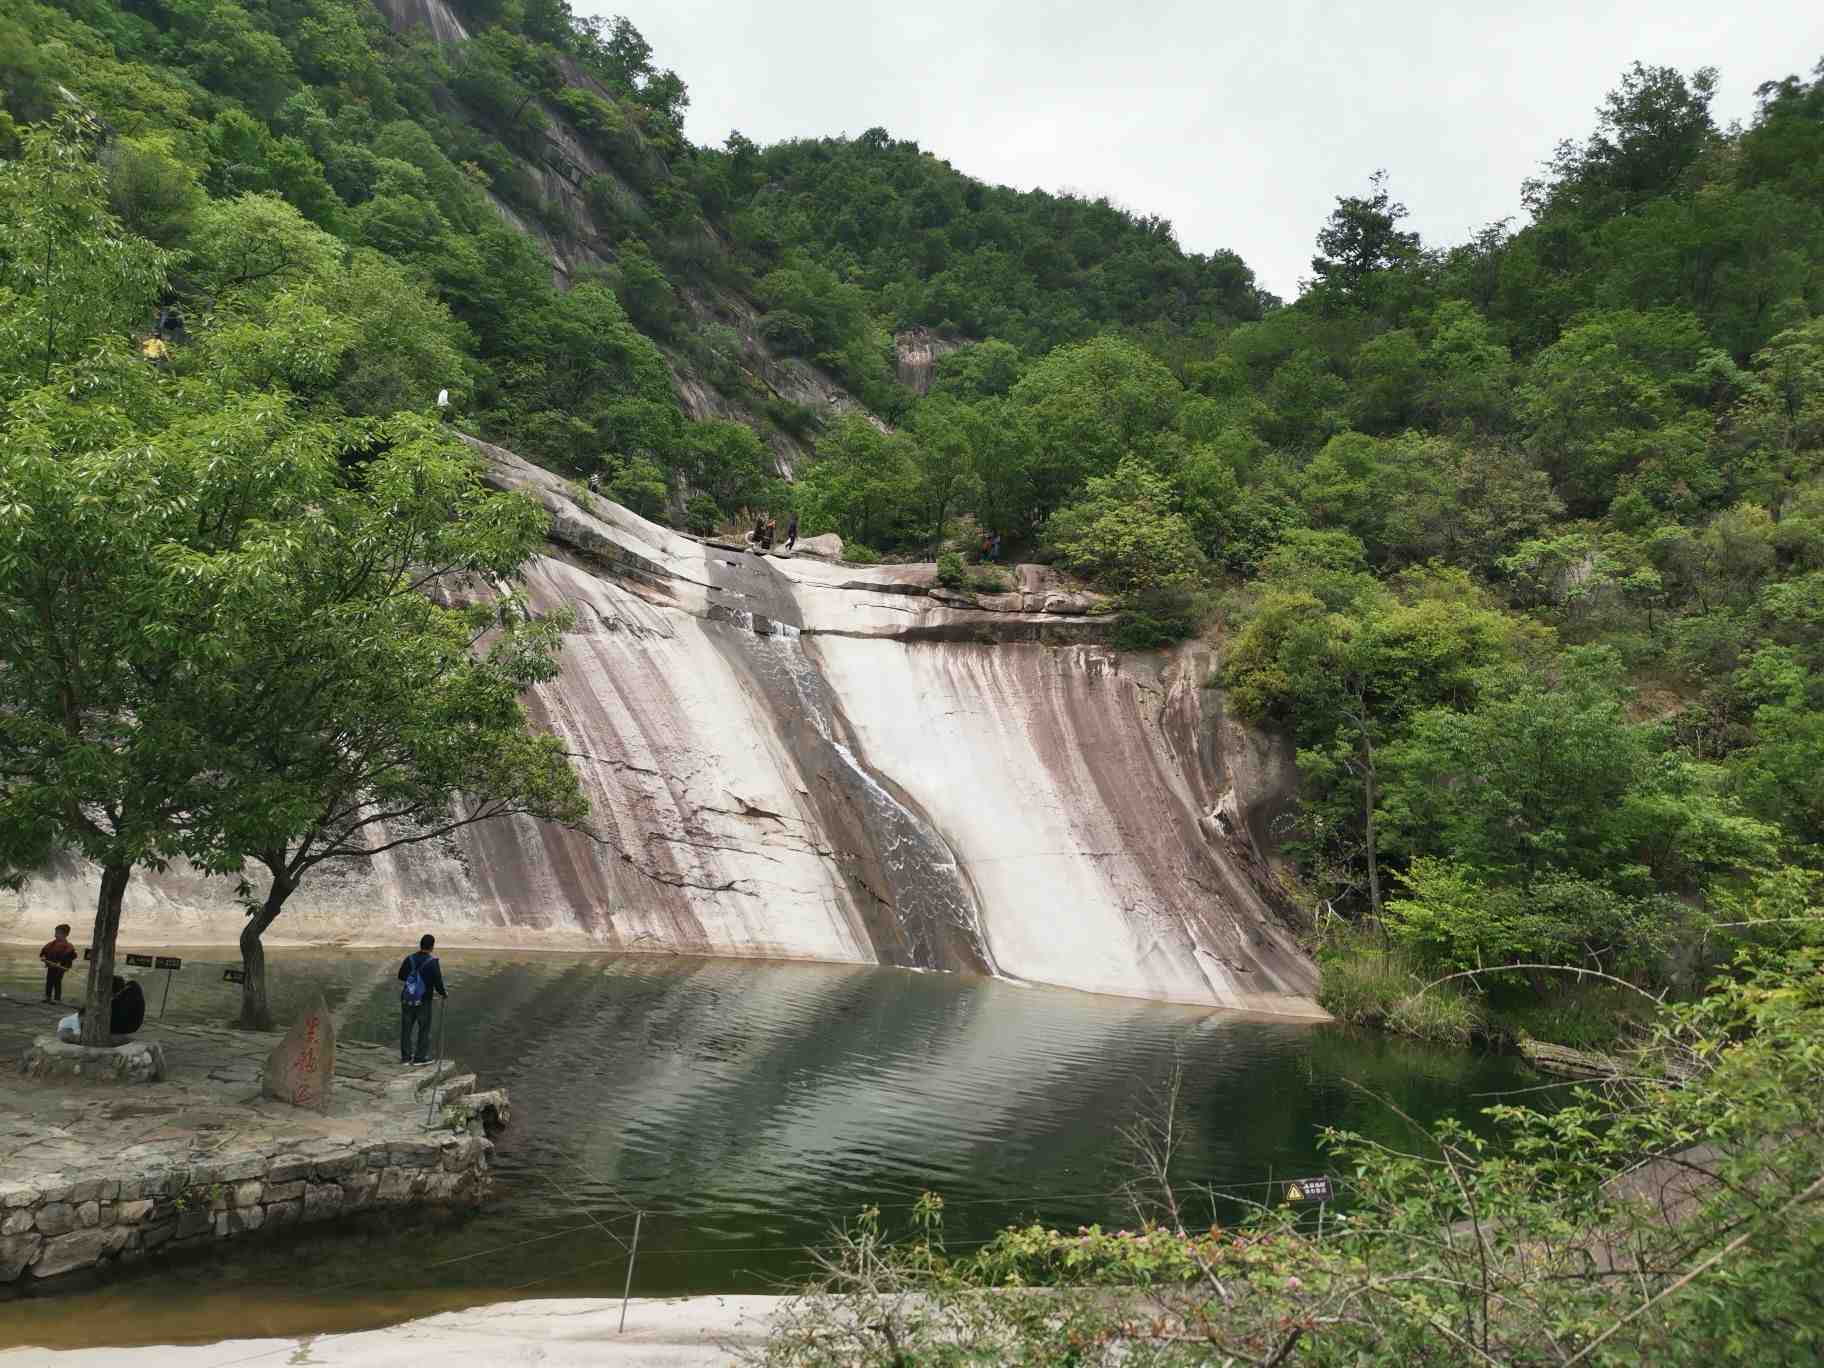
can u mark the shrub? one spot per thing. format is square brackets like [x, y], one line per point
[858, 554]
[701, 515]
[1161, 617]
[950, 570]
[1368, 986]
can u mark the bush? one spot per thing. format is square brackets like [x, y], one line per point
[701, 515]
[1161, 617]
[1368, 986]
[857, 554]
[950, 571]
[801, 420]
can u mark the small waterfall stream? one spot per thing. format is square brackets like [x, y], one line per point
[926, 890]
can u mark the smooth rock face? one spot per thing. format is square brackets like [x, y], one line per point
[806, 759]
[301, 1068]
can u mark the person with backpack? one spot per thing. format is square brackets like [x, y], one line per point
[422, 976]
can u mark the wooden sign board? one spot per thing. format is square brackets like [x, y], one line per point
[168, 962]
[139, 961]
[1309, 1190]
[234, 976]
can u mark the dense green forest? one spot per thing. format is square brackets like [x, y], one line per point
[1545, 507]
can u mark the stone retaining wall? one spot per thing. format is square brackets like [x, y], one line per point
[46, 1230]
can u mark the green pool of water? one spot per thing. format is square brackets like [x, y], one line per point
[746, 1108]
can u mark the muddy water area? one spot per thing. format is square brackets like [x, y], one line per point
[746, 1108]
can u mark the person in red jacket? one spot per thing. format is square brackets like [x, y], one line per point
[58, 955]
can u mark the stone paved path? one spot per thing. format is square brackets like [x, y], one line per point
[208, 1108]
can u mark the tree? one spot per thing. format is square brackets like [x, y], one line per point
[1649, 129]
[366, 694]
[945, 463]
[106, 650]
[1547, 775]
[69, 273]
[1346, 663]
[862, 484]
[1091, 405]
[1124, 533]
[1361, 238]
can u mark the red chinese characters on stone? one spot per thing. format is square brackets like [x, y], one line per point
[302, 1066]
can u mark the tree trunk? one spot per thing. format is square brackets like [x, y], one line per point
[99, 1002]
[1374, 866]
[256, 1009]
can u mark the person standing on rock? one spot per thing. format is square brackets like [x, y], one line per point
[791, 532]
[422, 976]
[58, 955]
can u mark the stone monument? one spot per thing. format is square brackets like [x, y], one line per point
[302, 1067]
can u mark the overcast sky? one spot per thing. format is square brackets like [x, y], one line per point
[1239, 122]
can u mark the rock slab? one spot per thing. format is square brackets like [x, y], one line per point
[139, 1061]
[301, 1068]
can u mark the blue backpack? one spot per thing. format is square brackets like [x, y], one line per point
[414, 981]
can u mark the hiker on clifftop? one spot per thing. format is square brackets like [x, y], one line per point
[791, 532]
[422, 976]
[58, 955]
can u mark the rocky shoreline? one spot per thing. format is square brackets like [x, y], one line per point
[102, 1171]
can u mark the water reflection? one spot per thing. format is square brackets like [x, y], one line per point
[749, 1106]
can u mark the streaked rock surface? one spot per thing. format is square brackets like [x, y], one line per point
[798, 758]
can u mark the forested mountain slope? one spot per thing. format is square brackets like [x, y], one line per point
[1522, 539]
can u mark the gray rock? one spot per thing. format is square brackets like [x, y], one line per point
[239, 1221]
[80, 1249]
[336, 1165]
[19, 1194]
[155, 1235]
[288, 1169]
[414, 1155]
[95, 1190]
[248, 1194]
[88, 1214]
[321, 1201]
[283, 1213]
[57, 1218]
[282, 1192]
[17, 1222]
[195, 1220]
[358, 1189]
[16, 1252]
[132, 1213]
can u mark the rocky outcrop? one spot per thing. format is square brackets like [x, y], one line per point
[795, 757]
[916, 354]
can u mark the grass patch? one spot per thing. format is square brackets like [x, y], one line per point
[1589, 1016]
[1369, 985]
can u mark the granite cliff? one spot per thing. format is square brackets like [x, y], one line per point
[794, 757]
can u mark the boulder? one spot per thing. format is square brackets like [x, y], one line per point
[67, 1253]
[16, 1251]
[301, 1068]
[826, 544]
